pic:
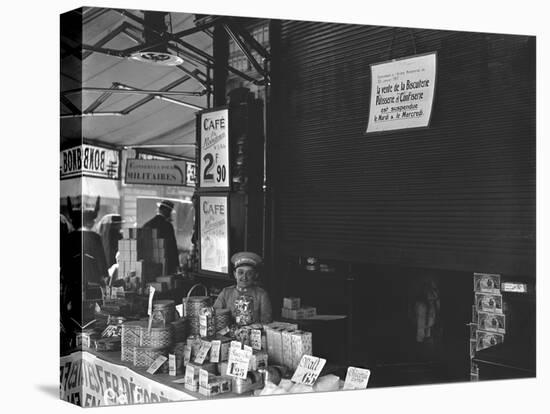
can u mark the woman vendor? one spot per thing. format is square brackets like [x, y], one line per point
[248, 302]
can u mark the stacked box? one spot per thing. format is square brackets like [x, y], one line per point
[302, 344]
[287, 347]
[301, 313]
[258, 360]
[292, 309]
[216, 385]
[274, 342]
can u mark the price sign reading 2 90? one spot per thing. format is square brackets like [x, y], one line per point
[214, 152]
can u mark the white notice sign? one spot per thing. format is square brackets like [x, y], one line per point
[308, 370]
[214, 247]
[214, 151]
[402, 93]
[356, 378]
[237, 364]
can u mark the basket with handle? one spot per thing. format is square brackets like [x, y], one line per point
[192, 306]
[222, 318]
[143, 357]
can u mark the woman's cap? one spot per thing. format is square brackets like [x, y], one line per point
[246, 258]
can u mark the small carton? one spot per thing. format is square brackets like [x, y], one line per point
[257, 361]
[302, 344]
[291, 303]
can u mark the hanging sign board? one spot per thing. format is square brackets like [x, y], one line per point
[214, 234]
[191, 174]
[90, 161]
[214, 149]
[402, 93]
[156, 172]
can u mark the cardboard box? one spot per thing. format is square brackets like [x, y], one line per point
[291, 303]
[287, 347]
[302, 344]
[302, 313]
[258, 360]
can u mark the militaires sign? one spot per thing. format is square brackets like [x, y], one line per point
[89, 161]
[214, 151]
[214, 233]
[402, 93]
[156, 172]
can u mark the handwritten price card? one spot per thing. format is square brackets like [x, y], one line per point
[156, 364]
[239, 359]
[308, 370]
[356, 378]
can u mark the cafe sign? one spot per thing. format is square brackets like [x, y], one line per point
[402, 93]
[156, 172]
[214, 234]
[214, 169]
[90, 161]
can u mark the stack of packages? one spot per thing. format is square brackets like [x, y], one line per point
[286, 344]
[488, 324]
[136, 263]
[151, 250]
[292, 309]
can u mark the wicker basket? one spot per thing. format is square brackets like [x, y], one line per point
[144, 356]
[137, 334]
[222, 318]
[192, 306]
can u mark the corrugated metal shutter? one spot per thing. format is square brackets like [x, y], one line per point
[458, 195]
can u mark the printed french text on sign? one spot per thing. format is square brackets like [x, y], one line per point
[214, 151]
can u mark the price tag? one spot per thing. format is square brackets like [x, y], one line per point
[203, 378]
[223, 331]
[239, 359]
[179, 309]
[186, 354]
[156, 364]
[215, 351]
[172, 364]
[203, 325]
[256, 339]
[356, 378]
[308, 370]
[190, 375]
[203, 351]
[151, 294]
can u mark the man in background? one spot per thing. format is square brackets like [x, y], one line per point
[162, 222]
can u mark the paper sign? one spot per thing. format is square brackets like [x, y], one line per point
[215, 351]
[179, 309]
[179, 381]
[203, 325]
[203, 351]
[214, 233]
[308, 370]
[356, 378]
[186, 354]
[190, 375]
[235, 345]
[172, 365]
[402, 93]
[203, 378]
[247, 348]
[151, 294]
[156, 364]
[239, 359]
[223, 331]
[214, 166]
[256, 339]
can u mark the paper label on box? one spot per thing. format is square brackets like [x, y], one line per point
[356, 378]
[189, 374]
[239, 359]
[156, 364]
[215, 351]
[203, 351]
[203, 325]
[235, 345]
[203, 378]
[172, 364]
[256, 339]
[186, 354]
[151, 294]
[247, 348]
[308, 370]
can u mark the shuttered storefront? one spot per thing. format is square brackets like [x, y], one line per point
[458, 195]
